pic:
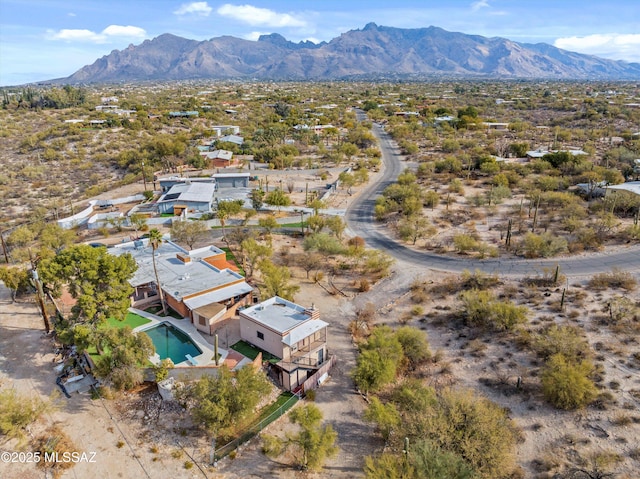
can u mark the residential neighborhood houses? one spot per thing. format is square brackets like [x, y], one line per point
[200, 284]
[204, 288]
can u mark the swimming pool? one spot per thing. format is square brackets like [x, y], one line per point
[172, 343]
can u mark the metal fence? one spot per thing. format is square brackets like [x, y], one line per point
[255, 429]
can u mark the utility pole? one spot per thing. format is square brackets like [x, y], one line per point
[144, 177]
[4, 247]
[40, 298]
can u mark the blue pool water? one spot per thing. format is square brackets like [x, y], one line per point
[172, 343]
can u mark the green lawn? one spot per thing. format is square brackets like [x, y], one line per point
[274, 406]
[293, 225]
[132, 320]
[250, 352]
[231, 258]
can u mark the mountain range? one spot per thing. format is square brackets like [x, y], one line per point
[370, 53]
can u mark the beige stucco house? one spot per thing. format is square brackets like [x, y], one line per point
[294, 334]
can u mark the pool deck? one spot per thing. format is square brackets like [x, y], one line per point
[184, 325]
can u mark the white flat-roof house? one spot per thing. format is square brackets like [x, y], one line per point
[192, 196]
[294, 334]
[199, 284]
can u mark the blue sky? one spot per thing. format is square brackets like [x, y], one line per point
[45, 39]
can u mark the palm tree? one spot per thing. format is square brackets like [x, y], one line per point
[155, 240]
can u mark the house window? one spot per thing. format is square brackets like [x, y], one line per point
[202, 320]
[260, 335]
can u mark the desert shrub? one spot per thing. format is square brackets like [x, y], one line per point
[364, 285]
[415, 345]
[566, 340]
[455, 186]
[565, 384]
[478, 280]
[474, 428]
[614, 279]
[378, 360]
[17, 412]
[54, 440]
[542, 246]
[482, 309]
[465, 243]
[384, 416]
[424, 460]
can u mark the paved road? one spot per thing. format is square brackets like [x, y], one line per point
[360, 219]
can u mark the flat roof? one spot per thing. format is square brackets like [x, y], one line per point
[178, 279]
[630, 186]
[277, 314]
[230, 175]
[304, 330]
[187, 191]
[218, 295]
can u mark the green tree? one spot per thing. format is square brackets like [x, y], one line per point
[378, 361]
[127, 356]
[97, 280]
[155, 240]
[254, 252]
[268, 223]
[414, 227]
[219, 402]
[15, 278]
[188, 232]
[336, 225]
[315, 223]
[313, 443]
[276, 281]
[566, 384]
[138, 222]
[257, 198]
[227, 209]
[54, 238]
[431, 199]
[567, 340]
[384, 416]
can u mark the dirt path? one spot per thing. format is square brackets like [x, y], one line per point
[26, 356]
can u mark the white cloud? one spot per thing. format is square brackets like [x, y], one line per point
[71, 14]
[475, 6]
[123, 31]
[253, 36]
[197, 8]
[608, 45]
[255, 16]
[82, 35]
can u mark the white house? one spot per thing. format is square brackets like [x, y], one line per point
[190, 196]
[294, 334]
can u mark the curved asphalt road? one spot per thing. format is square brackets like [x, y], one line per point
[359, 217]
